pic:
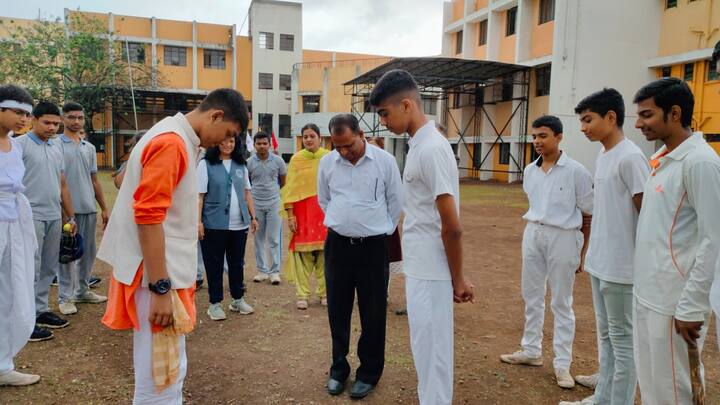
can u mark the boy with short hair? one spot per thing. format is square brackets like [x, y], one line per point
[49, 197]
[17, 239]
[560, 195]
[151, 241]
[81, 174]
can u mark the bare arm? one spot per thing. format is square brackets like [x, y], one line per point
[100, 198]
[585, 229]
[66, 200]
[282, 180]
[451, 234]
[251, 210]
[152, 245]
[201, 227]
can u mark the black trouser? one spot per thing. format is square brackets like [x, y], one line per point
[362, 265]
[216, 245]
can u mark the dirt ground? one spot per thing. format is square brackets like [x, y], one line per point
[280, 355]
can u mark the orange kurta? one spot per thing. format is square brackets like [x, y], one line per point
[164, 162]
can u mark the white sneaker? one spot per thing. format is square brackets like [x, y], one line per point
[241, 306]
[301, 304]
[585, 401]
[521, 358]
[216, 312]
[67, 308]
[564, 379]
[260, 277]
[90, 298]
[589, 381]
[16, 379]
[275, 279]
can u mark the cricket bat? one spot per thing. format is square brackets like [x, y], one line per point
[698, 390]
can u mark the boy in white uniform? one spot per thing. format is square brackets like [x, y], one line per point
[17, 239]
[621, 170]
[432, 236]
[560, 194]
[678, 238]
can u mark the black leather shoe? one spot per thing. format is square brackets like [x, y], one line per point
[360, 389]
[335, 387]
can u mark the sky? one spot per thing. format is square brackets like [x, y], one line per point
[380, 27]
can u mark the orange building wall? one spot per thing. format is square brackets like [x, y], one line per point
[458, 9]
[179, 77]
[209, 79]
[244, 66]
[132, 26]
[481, 52]
[542, 35]
[680, 25]
[480, 4]
[174, 30]
[507, 44]
[214, 34]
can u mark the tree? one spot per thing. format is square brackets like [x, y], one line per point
[79, 60]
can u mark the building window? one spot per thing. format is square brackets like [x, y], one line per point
[285, 82]
[689, 71]
[504, 153]
[175, 55]
[547, 11]
[456, 100]
[265, 81]
[284, 126]
[265, 123]
[310, 104]
[265, 40]
[477, 155]
[287, 42]
[214, 59]
[458, 42]
[670, 3]
[542, 81]
[482, 32]
[429, 106]
[136, 51]
[713, 69]
[507, 88]
[510, 23]
[286, 157]
[666, 71]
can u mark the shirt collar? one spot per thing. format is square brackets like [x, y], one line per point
[683, 149]
[422, 133]
[369, 153]
[37, 140]
[560, 162]
[189, 131]
[66, 139]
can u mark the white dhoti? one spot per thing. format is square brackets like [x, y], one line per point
[661, 358]
[430, 316]
[17, 277]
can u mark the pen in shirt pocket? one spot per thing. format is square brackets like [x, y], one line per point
[375, 193]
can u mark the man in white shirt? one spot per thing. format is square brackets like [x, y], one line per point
[359, 189]
[560, 195]
[432, 236]
[621, 170]
[678, 238]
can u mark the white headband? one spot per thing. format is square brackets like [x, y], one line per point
[17, 105]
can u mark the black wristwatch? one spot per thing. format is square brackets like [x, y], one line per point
[161, 286]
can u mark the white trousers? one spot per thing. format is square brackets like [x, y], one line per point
[661, 358]
[550, 256]
[17, 278]
[145, 392]
[430, 316]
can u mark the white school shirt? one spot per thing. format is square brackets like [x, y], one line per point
[678, 234]
[559, 197]
[620, 173]
[235, 223]
[430, 171]
[360, 200]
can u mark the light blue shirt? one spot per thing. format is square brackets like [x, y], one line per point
[12, 171]
[360, 200]
[44, 167]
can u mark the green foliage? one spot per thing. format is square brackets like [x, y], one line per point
[79, 60]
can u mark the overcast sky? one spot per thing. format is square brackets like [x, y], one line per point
[382, 27]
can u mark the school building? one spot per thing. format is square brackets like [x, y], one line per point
[574, 48]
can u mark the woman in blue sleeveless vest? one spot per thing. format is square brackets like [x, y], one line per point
[227, 214]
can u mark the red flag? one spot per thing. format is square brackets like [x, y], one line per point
[274, 141]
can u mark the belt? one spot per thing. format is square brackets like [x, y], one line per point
[357, 240]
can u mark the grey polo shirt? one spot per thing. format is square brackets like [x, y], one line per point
[43, 166]
[264, 176]
[80, 164]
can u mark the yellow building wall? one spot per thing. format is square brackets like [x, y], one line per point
[337, 100]
[132, 26]
[310, 55]
[9, 25]
[244, 66]
[102, 18]
[214, 33]
[458, 9]
[537, 106]
[481, 52]
[177, 77]
[689, 26]
[210, 79]
[497, 166]
[507, 45]
[542, 35]
[479, 4]
[174, 30]
[503, 111]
